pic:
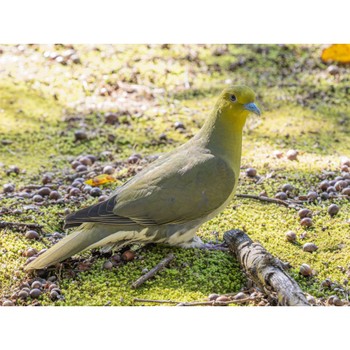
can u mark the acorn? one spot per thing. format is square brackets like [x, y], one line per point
[108, 169]
[307, 222]
[128, 255]
[111, 118]
[54, 195]
[251, 172]
[311, 300]
[85, 161]
[36, 285]
[287, 187]
[35, 293]
[223, 298]
[212, 297]
[310, 247]
[31, 234]
[8, 188]
[340, 185]
[305, 213]
[292, 154]
[281, 195]
[305, 270]
[333, 209]
[107, 265]
[312, 195]
[95, 192]
[80, 135]
[30, 252]
[323, 185]
[37, 198]
[291, 236]
[23, 294]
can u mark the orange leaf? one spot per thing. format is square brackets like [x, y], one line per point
[100, 180]
[337, 52]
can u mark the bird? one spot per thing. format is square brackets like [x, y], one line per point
[173, 196]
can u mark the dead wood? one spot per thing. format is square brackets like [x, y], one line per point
[264, 270]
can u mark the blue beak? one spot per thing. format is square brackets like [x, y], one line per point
[252, 107]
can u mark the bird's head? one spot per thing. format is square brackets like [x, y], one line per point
[236, 103]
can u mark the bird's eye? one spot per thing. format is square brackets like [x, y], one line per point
[233, 98]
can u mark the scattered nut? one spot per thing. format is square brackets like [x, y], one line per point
[128, 255]
[306, 222]
[333, 209]
[291, 236]
[310, 247]
[292, 154]
[305, 270]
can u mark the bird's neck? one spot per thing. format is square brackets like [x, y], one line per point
[223, 138]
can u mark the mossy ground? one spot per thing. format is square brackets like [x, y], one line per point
[304, 108]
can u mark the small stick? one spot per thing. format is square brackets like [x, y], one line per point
[156, 301]
[37, 187]
[215, 303]
[267, 199]
[4, 224]
[152, 272]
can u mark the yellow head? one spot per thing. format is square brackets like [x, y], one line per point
[235, 103]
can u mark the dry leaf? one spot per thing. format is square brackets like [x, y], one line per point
[337, 52]
[100, 180]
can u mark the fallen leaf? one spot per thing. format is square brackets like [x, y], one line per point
[337, 52]
[100, 180]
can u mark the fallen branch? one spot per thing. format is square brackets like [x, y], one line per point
[153, 271]
[215, 303]
[156, 301]
[270, 200]
[38, 187]
[6, 224]
[264, 270]
[195, 303]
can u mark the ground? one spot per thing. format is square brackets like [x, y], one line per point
[48, 93]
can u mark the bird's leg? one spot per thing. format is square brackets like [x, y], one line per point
[222, 246]
[196, 242]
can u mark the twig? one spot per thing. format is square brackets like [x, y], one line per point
[269, 200]
[156, 301]
[152, 272]
[195, 303]
[215, 303]
[81, 173]
[37, 187]
[4, 224]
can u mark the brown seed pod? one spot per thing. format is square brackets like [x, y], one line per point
[212, 297]
[107, 265]
[30, 252]
[7, 303]
[8, 188]
[23, 294]
[54, 195]
[341, 184]
[281, 195]
[307, 222]
[312, 196]
[128, 255]
[310, 247]
[35, 293]
[305, 270]
[292, 154]
[36, 284]
[251, 172]
[31, 234]
[324, 185]
[287, 187]
[108, 170]
[346, 191]
[333, 209]
[291, 236]
[305, 213]
[223, 298]
[85, 161]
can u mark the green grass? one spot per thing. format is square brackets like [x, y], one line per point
[304, 108]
